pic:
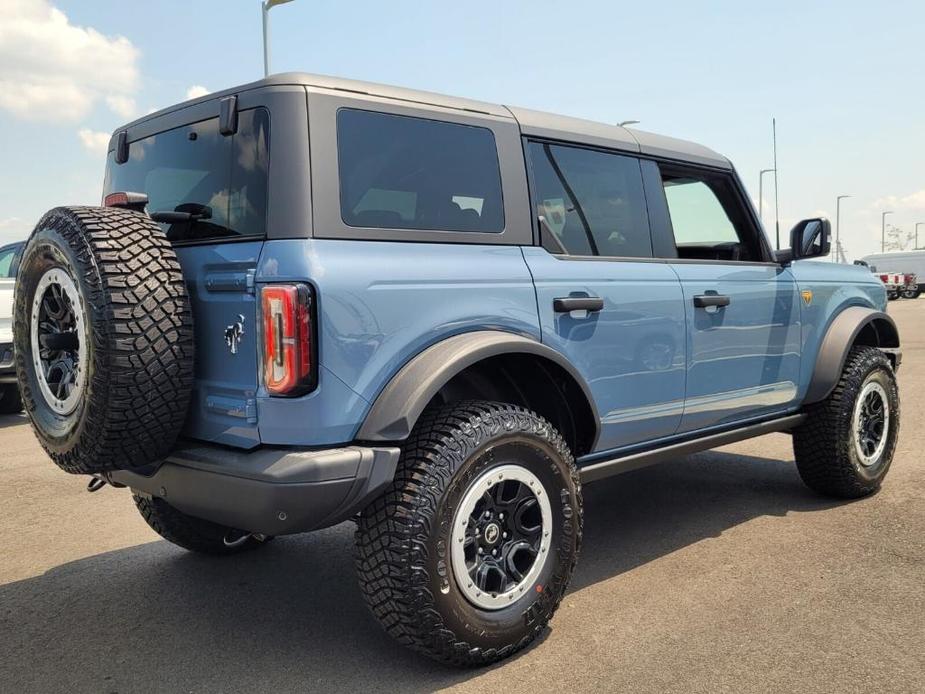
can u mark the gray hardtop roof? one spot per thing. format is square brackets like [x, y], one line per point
[536, 123]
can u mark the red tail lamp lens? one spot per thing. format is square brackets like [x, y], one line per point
[287, 339]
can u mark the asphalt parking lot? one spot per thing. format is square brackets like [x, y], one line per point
[716, 573]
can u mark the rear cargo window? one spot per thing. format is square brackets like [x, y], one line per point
[221, 180]
[399, 172]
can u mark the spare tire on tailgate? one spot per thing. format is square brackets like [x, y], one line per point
[103, 337]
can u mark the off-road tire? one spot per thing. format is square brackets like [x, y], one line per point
[402, 539]
[138, 336]
[10, 402]
[190, 533]
[824, 446]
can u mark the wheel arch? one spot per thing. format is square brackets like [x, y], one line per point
[486, 364]
[855, 325]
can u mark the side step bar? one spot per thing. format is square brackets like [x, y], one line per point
[639, 459]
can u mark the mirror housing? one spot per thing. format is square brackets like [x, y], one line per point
[809, 238]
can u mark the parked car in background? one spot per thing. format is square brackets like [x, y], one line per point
[439, 318]
[909, 263]
[9, 391]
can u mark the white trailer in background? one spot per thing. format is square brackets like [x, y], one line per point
[900, 261]
[904, 262]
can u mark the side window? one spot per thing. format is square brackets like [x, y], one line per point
[708, 221]
[593, 202]
[400, 172]
[195, 169]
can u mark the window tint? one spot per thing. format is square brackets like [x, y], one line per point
[592, 201]
[707, 220]
[196, 169]
[398, 172]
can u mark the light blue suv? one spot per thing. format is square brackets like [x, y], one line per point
[306, 300]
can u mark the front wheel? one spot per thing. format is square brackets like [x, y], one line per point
[467, 555]
[846, 445]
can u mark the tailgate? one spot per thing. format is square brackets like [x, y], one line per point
[220, 281]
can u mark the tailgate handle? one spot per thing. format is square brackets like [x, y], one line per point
[230, 282]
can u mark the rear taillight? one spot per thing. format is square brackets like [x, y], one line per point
[288, 344]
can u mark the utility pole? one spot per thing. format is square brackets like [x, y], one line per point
[838, 224]
[776, 206]
[265, 7]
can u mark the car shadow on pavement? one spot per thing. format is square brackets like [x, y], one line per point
[13, 420]
[289, 616]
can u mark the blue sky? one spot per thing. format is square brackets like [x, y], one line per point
[843, 79]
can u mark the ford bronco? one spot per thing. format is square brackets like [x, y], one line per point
[306, 300]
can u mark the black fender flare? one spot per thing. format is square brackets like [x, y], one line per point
[397, 407]
[840, 337]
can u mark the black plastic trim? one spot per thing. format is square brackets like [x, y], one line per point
[839, 338]
[398, 406]
[275, 491]
[639, 459]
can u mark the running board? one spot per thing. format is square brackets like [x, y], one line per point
[640, 459]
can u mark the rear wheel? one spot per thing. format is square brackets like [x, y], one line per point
[846, 445]
[911, 293]
[191, 533]
[468, 554]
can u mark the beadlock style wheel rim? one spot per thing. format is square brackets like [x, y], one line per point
[871, 423]
[58, 340]
[501, 536]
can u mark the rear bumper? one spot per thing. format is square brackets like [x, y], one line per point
[274, 491]
[7, 367]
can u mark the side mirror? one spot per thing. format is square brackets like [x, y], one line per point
[810, 238]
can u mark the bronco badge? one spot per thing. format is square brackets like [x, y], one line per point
[234, 333]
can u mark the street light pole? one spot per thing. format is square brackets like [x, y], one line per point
[917, 225]
[265, 7]
[761, 193]
[776, 206]
[838, 224]
[883, 230]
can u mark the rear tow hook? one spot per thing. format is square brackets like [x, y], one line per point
[95, 484]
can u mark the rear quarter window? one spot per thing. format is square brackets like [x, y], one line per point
[194, 168]
[402, 172]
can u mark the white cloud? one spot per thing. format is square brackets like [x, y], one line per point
[52, 70]
[196, 91]
[913, 201]
[123, 106]
[93, 141]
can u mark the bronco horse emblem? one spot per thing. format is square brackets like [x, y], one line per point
[234, 333]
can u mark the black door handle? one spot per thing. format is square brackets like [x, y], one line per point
[705, 300]
[577, 303]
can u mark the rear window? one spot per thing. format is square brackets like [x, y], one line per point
[196, 169]
[400, 172]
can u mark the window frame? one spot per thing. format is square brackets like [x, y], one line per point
[531, 182]
[324, 105]
[655, 194]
